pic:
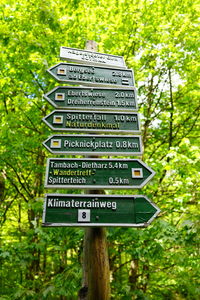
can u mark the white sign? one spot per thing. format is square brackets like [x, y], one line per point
[90, 57]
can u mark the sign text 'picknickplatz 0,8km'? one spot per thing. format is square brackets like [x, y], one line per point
[82, 144]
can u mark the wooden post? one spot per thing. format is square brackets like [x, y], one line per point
[96, 273]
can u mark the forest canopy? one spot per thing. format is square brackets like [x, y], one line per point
[159, 41]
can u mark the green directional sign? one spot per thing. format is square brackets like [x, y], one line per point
[97, 173]
[96, 121]
[92, 75]
[70, 97]
[98, 210]
[98, 144]
[90, 57]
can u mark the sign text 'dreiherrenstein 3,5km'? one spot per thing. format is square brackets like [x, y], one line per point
[97, 173]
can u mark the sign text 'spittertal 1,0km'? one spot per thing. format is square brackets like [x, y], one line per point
[90, 57]
[82, 144]
[92, 75]
[97, 173]
[96, 121]
[73, 97]
[98, 210]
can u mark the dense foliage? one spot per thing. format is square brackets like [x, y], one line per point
[159, 40]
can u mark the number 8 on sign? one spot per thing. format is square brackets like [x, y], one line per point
[84, 215]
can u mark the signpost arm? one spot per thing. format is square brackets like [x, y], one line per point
[96, 276]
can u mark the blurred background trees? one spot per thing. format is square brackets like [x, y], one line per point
[160, 42]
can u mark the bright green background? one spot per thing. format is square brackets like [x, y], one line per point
[159, 40]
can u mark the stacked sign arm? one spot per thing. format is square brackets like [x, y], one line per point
[87, 144]
[98, 210]
[93, 98]
[92, 75]
[97, 173]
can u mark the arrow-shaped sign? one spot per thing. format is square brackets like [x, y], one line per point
[97, 173]
[98, 210]
[96, 121]
[71, 97]
[98, 144]
[90, 57]
[92, 75]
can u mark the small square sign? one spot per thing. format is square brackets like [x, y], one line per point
[84, 215]
[137, 173]
[61, 71]
[59, 96]
[57, 119]
[55, 143]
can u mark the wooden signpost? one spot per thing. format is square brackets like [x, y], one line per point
[107, 104]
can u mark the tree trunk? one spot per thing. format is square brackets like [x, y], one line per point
[96, 276]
